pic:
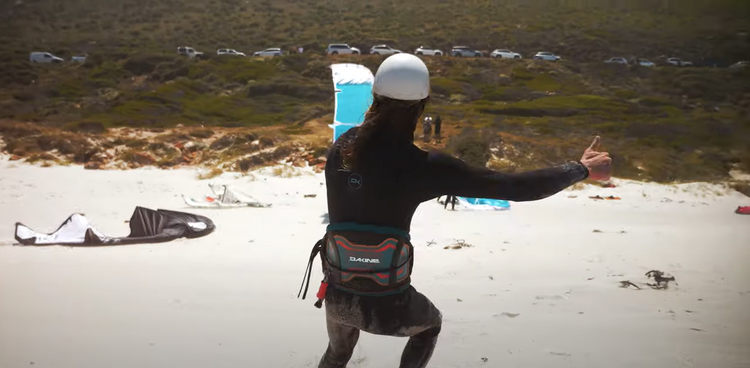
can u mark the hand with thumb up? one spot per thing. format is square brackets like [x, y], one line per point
[598, 163]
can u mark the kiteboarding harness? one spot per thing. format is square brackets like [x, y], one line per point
[362, 260]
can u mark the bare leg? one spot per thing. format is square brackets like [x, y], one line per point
[342, 340]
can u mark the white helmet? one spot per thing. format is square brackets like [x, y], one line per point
[402, 77]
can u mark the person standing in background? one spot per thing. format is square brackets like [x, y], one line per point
[437, 122]
[427, 128]
[452, 199]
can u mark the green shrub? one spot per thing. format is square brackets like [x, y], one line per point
[471, 146]
[142, 64]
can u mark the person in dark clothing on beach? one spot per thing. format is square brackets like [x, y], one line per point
[438, 123]
[376, 178]
[427, 128]
[452, 200]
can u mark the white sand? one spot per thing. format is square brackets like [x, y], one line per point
[228, 299]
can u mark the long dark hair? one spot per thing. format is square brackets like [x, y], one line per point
[395, 118]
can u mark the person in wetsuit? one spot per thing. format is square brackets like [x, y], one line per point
[438, 123]
[452, 200]
[377, 177]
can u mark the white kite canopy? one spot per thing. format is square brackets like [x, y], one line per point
[225, 197]
[351, 74]
[353, 95]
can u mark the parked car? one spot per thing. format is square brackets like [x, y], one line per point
[465, 51]
[189, 52]
[646, 63]
[543, 55]
[44, 57]
[428, 51]
[79, 58]
[616, 60]
[274, 51]
[678, 62]
[383, 50]
[229, 52]
[505, 54]
[342, 48]
[740, 64]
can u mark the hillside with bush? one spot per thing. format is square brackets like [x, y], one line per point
[660, 123]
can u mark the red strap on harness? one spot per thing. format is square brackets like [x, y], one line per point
[322, 291]
[321, 294]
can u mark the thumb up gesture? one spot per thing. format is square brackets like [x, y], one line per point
[598, 163]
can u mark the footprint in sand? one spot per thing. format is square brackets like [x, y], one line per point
[358, 362]
[558, 353]
[507, 314]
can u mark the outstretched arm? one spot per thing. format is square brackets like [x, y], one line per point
[448, 175]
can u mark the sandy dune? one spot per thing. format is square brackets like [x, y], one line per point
[538, 288]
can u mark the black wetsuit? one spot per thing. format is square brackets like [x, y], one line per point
[438, 124]
[392, 179]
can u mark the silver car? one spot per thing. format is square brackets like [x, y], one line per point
[505, 54]
[342, 49]
[383, 50]
[79, 58]
[616, 60]
[465, 51]
[678, 62]
[428, 51]
[274, 51]
[543, 55]
[229, 52]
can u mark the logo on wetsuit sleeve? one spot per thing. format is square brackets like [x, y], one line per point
[355, 181]
[364, 260]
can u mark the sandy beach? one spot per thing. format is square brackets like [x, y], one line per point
[539, 286]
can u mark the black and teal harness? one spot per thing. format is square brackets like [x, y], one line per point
[362, 259]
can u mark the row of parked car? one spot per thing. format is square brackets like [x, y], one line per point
[344, 49]
[465, 51]
[46, 57]
[457, 51]
[190, 52]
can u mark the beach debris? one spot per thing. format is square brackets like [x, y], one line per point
[484, 360]
[597, 231]
[697, 329]
[310, 195]
[459, 243]
[662, 282]
[743, 210]
[431, 243]
[572, 196]
[510, 315]
[491, 278]
[625, 284]
[459, 300]
[598, 197]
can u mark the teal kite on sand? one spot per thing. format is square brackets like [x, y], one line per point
[496, 204]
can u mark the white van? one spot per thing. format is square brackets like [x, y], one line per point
[44, 57]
